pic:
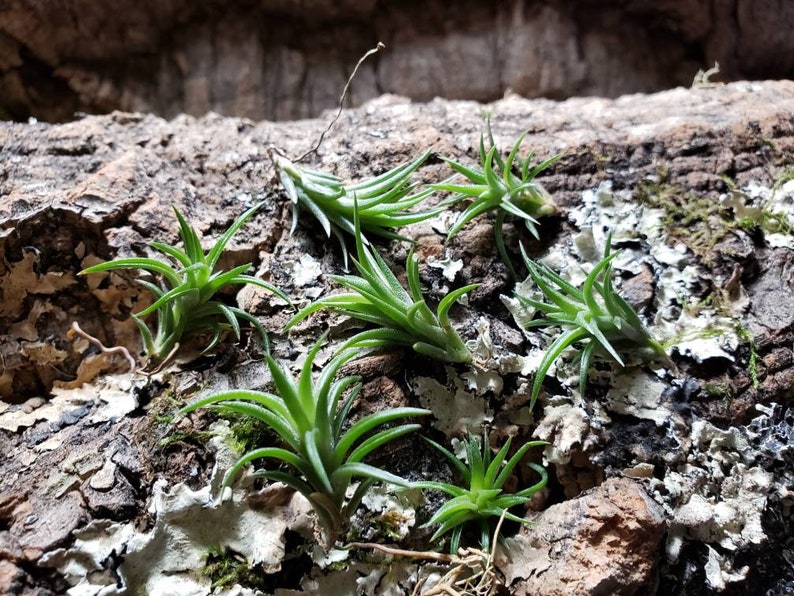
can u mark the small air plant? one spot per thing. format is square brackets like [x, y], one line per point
[384, 202]
[403, 317]
[497, 187]
[184, 299]
[480, 498]
[307, 416]
[595, 315]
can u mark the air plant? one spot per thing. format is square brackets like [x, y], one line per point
[402, 317]
[384, 202]
[595, 315]
[321, 453]
[506, 186]
[184, 298]
[480, 498]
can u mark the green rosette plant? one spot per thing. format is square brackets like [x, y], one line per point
[185, 297]
[401, 317]
[507, 186]
[480, 497]
[384, 202]
[320, 453]
[594, 315]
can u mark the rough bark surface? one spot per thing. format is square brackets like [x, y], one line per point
[289, 59]
[105, 186]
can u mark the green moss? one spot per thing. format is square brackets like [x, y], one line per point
[389, 524]
[163, 407]
[694, 219]
[718, 390]
[770, 143]
[707, 301]
[752, 365]
[785, 175]
[767, 221]
[247, 433]
[191, 436]
[226, 568]
[700, 222]
[160, 417]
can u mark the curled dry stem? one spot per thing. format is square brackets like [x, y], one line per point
[76, 330]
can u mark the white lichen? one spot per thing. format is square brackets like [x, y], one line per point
[457, 411]
[717, 496]
[449, 266]
[636, 393]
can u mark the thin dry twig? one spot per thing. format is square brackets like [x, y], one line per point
[703, 80]
[342, 97]
[76, 330]
[411, 554]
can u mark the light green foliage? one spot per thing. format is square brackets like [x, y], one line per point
[308, 419]
[226, 569]
[246, 433]
[481, 498]
[752, 365]
[384, 202]
[595, 315]
[696, 219]
[402, 317]
[199, 437]
[184, 299]
[497, 187]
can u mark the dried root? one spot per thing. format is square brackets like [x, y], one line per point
[76, 330]
[471, 571]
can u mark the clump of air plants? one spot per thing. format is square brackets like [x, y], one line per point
[323, 454]
[594, 315]
[185, 296]
[506, 186]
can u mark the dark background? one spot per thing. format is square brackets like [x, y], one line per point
[289, 59]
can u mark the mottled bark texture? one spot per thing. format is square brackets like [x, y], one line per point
[290, 58]
[103, 186]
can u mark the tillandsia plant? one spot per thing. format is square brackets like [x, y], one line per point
[384, 202]
[309, 420]
[184, 299]
[506, 186]
[403, 317]
[481, 497]
[595, 315]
